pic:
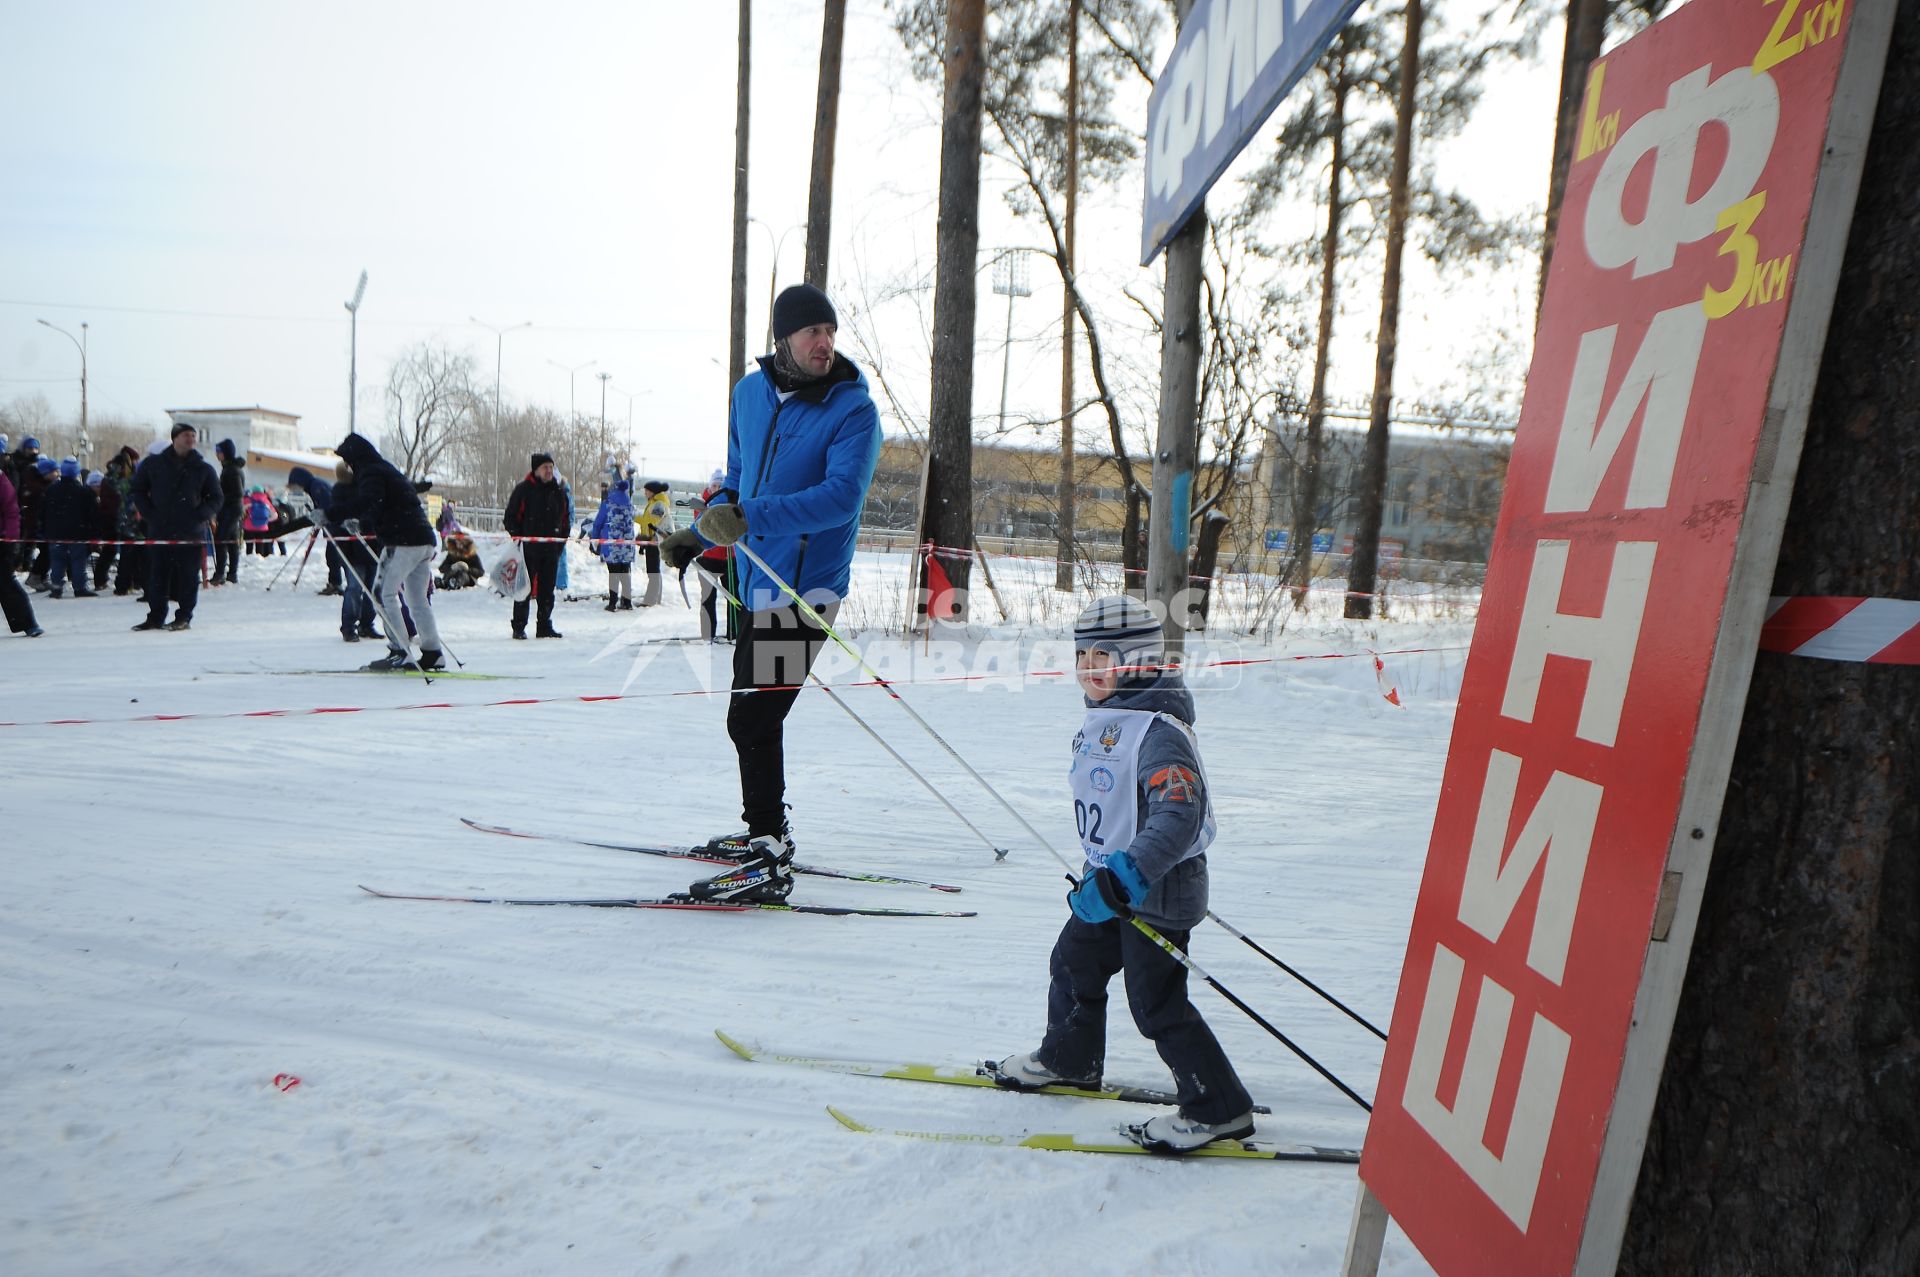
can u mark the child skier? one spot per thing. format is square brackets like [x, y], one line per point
[612, 537]
[1140, 804]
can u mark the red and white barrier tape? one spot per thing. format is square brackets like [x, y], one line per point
[641, 696]
[1873, 631]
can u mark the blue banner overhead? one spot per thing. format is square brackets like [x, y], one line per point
[1233, 62]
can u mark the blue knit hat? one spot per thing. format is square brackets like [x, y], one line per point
[70, 468]
[45, 465]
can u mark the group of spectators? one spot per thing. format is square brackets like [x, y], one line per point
[71, 530]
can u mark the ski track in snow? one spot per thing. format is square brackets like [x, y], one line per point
[493, 1090]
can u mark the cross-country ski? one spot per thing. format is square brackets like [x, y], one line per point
[705, 854]
[685, 903]
[978, 1075]
[1123, 1142]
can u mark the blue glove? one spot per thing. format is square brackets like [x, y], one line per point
[1109, 892]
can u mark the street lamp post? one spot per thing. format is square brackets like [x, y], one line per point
[79, 344]
[572, 411]
[1009, 277]
[353, 352]
[499, 339]
[773, 272]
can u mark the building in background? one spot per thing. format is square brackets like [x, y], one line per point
[268, 439]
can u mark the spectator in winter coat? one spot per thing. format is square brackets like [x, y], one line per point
[13, 600]
[386, 503]
[653, 522]
[126, 520]
[31, 479]
[356, 605]
[105, 528]
[612, 538]
[798, 506]
[461, 567]
[257, 517]
[178, 495]
[226, 529]
[715, 565]
[538, 507]
[68, 514]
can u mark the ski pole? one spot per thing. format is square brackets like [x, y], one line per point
[304, 556]
[1249, 941]
[283, 567]
[1174, 952]
[406, 645]
[820, 621]
[1164, 944]
[999, 853]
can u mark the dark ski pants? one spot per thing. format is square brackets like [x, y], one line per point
[133, 567]
[543, 569]
[776, 650]
[173, 572]
[1085, 958]
[13, 600]
[226, 549]
[103, 564]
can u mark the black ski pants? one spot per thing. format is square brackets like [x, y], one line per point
[13, 600]
[776, 649]
[173, 572]
[543, 568]
[1088, 955]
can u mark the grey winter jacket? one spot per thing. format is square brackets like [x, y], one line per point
[1171, 814]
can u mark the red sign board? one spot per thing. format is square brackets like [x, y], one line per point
[1691, 248]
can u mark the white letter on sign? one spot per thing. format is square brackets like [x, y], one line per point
[1606, 641]
[1560, 829]
[1512, 1178]
[1661, 376]
[1232, 39]
[1178, 127]
[1748, 105]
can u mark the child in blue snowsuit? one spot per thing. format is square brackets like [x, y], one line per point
[612, 536]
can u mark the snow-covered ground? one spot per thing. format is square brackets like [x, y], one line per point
[529, 1091]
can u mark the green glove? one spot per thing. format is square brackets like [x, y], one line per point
[723, 524]
[680, 549]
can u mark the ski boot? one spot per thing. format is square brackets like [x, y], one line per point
[764, 875]
[1177, 1133]
[389, 663]
[1026, 1073]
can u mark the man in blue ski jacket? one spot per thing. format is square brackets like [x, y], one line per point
[803, 438]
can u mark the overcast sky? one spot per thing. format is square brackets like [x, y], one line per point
[202, 183]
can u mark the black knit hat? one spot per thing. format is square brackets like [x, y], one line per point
[799, 307]
[179, 426]
[539, 459]
[654, 486]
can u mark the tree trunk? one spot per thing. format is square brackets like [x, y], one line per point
[949, 515]
[826, 116]
[1363, 572]
[1205, 555]
[1586, 32]
[742, 98]
[1784, 1136]
[1063, 569]
[1306, 473]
